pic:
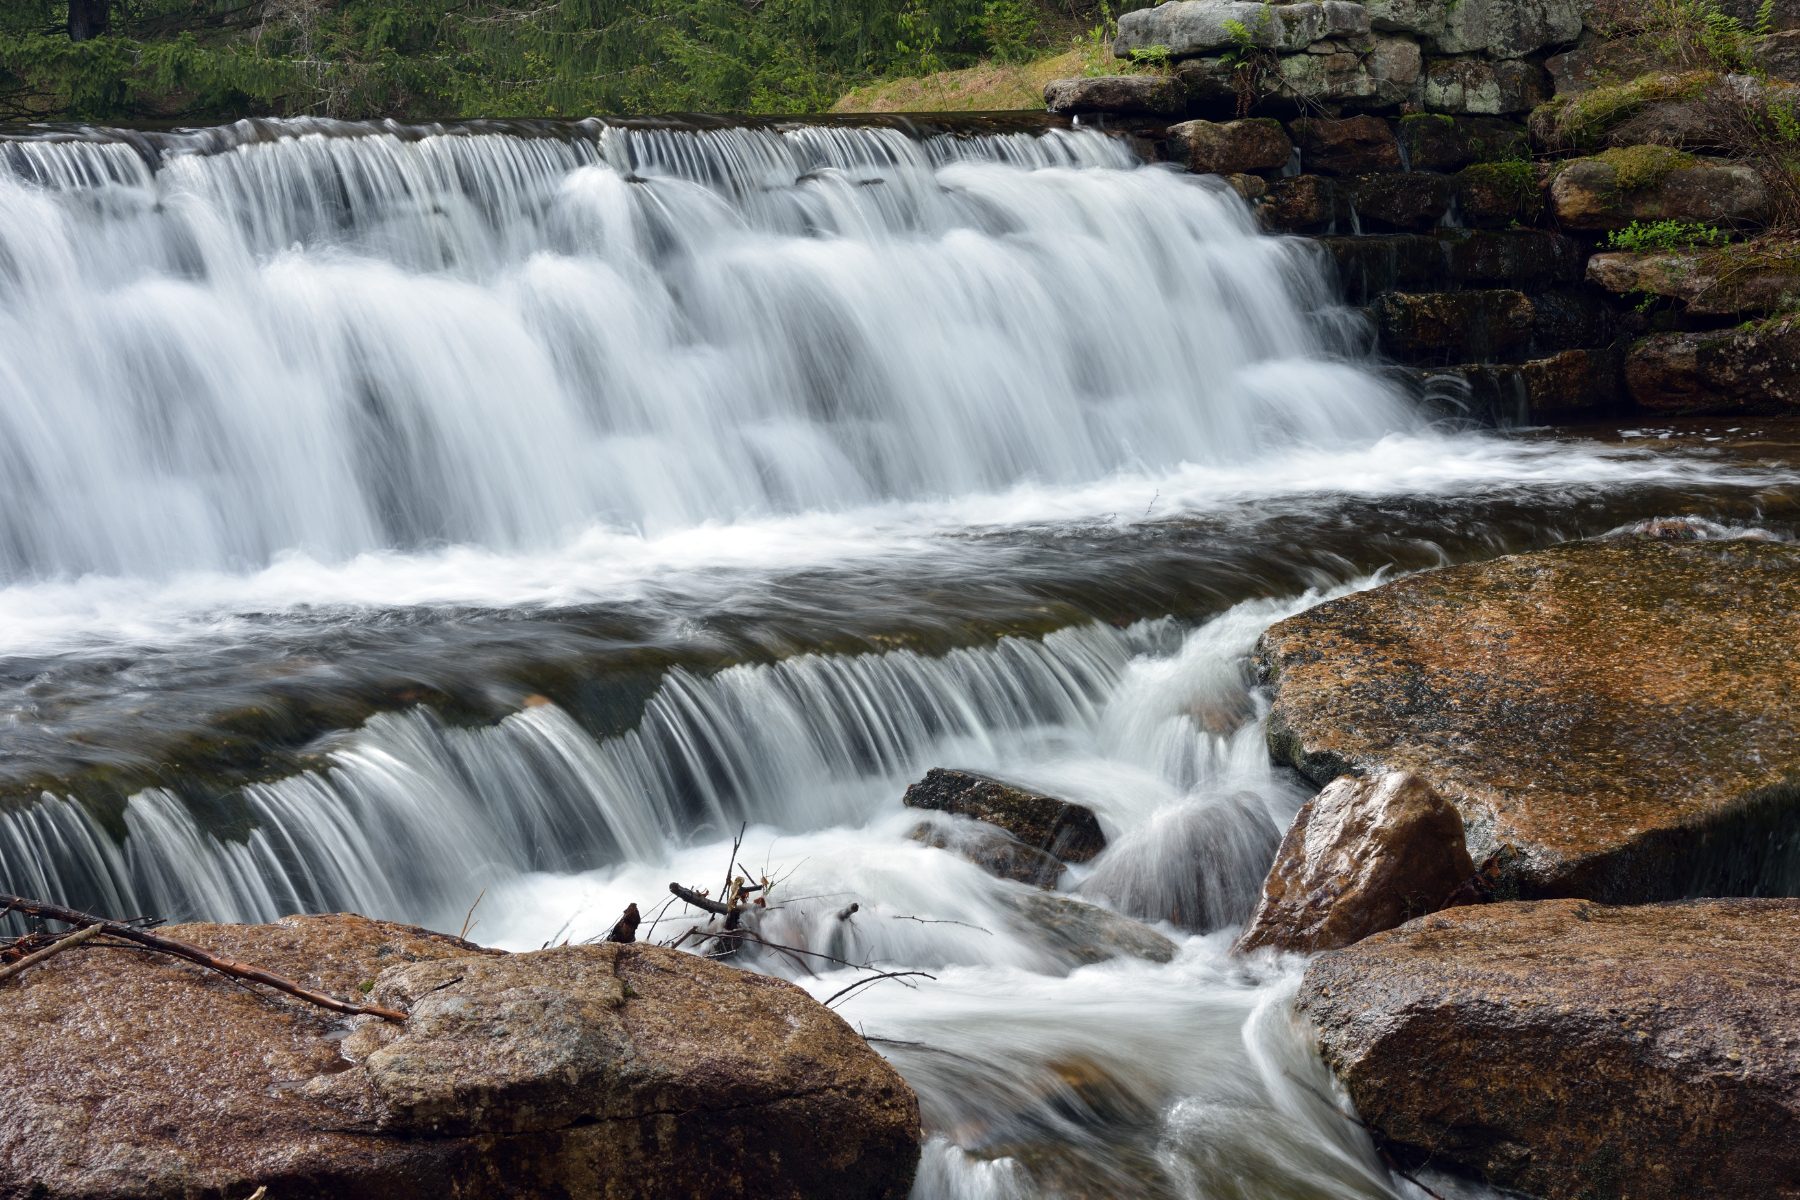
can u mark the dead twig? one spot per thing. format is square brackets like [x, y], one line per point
[52, 950]
[469, 921]
[928, 921]
[877, 978]
[193, 954]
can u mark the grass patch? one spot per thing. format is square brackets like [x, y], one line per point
[1637, 167]
[987, 87]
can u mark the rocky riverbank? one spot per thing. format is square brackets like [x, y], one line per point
[1550, 211]
[1609, 723]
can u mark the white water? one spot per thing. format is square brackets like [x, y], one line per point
[369, 368]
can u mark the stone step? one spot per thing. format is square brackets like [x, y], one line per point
[1491, 325]
[1448, 260]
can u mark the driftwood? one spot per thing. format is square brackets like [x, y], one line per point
[193, 954]
[54, 948]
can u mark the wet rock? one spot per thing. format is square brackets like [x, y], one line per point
[1522, 258]
[1067, 831]
[656, 1072]
[1401, 201]
[1230, 147]
[1379, 73]
[1572, 1050]
[1198, 866]
[1188, 28]
[1362, 856]
[1441, 142]
[1250, 188]
[1150, 95]
[1304, 204]
[1498, 28]
[1085, 934]
[1345, 146]
[1613, 719]
[1572, 385]
[1529, 260]
[992, 849]
[1499, 195]
[1727, 281]
[1452, 327]
[1654, 183]
[1483, 86]
[1755, 369]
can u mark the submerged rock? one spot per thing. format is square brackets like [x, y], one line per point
[1197, 866]
[1362, 856]
[1613, 719]
[1082, 933]
[1572, 1050]
[992, 849]
[623, 1071]
[1066, 831]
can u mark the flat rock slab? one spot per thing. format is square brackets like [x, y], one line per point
[1572, 1050]
[1616, 719]
[616, 1071]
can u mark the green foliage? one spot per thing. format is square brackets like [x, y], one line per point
[449, 58]
[1666, 235]
[1157, 57]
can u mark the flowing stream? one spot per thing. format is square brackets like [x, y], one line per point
[395, 516]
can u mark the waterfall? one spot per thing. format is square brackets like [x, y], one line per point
[305, 337]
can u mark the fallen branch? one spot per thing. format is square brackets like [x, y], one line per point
[54, 948]
[877, 978]
[193, 954]
[703, 903]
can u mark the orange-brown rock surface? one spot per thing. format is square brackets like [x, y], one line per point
[1617, 719]
[1571, 1050]
[583, 1071]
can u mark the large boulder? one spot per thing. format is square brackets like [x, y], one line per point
[1067, 831]
[1362, 856]
[1127, 95]
[1614, 719]
[1571, 1050]
[1188, 28]
[1230, 147]
[1720, 282]
[1753, 369]
[583, 1071]
[1496, 28]
[1655, 183]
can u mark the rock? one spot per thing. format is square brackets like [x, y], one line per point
[1440, 142]
[1151, 95]
[1085, 934]
[1526, 259]
[1571, 1050]
[1570, 386]
[1401, 201]
[1303, 204]
[1613, 719]
[1230, 147]
[1607, 61]
[1498, 28]
[1671, 108]
[1250, 188]
[633, 1070]
[1778, 56]
[1346, 146]
[1452, 327]
[1067, 831]
[1198, 866]
[1480, 85]
[1499, 195]
[994, 850]
[1189, 28]
[1654, 183]
[1362, 856]
[1379, 74]
[1749, 370]
[1721, 282]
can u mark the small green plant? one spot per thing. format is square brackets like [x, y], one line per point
[1010, 30]
[1098, 45]
[1666, 235]
[1157, 57]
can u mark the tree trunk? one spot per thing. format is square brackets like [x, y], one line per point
[88, 18]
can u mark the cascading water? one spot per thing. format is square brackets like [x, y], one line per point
[752, 446]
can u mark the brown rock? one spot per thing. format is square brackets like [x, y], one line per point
[1408, 201]
[1453, 327]
[994, 850]
[1440, 142]
[1571, 385]
[1362, 856]
[629, 1071]
[1303, 204]
[1654, 183]
[1067, 831]
[1724, 281]
[1347, 146]
[1230, 147]
[1613, 719]
[1572, 1050]
[1084, 934]
[1749, 370]
[1150, 95]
